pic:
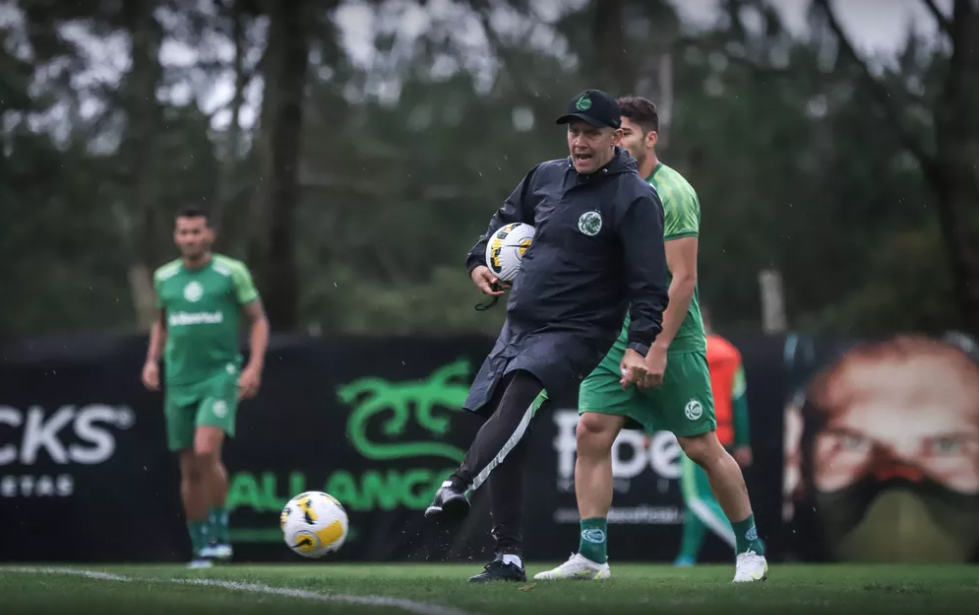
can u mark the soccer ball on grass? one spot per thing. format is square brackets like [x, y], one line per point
[313, 524]
[505, 249]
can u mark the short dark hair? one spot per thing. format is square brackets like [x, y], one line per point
[193, 211]
[640, 111]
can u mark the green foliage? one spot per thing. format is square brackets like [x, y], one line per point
[796, 167]
[402, 306]
[908, 288]
[58, 243]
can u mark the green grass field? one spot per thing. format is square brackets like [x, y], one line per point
[443, 590]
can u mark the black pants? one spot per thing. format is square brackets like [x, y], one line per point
[497, 455]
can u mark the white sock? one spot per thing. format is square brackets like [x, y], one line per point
[513, 559]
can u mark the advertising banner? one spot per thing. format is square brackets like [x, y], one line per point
[377, 423]
[84, 474]
[881, 449]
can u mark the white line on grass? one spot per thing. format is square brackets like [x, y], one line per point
[411, 606]
[88, 574]
[421, 608]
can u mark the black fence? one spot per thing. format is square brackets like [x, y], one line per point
[85, 474]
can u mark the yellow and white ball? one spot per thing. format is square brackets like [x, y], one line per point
[506, 248]
[313, 524]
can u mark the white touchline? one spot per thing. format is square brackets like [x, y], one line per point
[421, 608]
[89, 574]
[411, 606]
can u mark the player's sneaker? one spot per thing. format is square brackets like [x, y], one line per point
[750, 567]
[498, 570]
[450, 503]
[199, 562]
[222, 552]
[684, 562]
[577, 567]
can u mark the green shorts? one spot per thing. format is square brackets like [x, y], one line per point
[683, 404]
[213, 402]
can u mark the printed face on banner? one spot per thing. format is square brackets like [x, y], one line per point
[885, 447]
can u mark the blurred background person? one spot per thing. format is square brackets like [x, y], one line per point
[702, 512]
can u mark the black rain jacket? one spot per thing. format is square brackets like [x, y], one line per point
[597, 252]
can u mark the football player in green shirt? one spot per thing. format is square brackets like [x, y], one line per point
[201, 297]
[674, 395]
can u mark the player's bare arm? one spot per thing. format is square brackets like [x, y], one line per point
[251, 376]
[681, 258]
[158, 339]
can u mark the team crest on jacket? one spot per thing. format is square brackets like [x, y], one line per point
[590, 223]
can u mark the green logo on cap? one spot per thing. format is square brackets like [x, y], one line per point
[583, 104]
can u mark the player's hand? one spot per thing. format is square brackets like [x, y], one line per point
[633, 368]
[742, 455]
[249, 382]
[151, 376]
[486, 281]
[655, 367]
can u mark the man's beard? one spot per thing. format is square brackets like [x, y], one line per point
[197, 254]
[640, 158]
[898, 521]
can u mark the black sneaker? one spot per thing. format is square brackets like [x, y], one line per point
[498, 570]
[450, 503]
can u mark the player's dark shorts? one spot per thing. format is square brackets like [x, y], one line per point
[683, 404]
[213, 402]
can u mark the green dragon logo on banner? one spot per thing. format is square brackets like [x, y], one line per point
[401, 401]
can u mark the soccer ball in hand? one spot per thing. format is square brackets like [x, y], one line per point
[314, 524]
[506, 248]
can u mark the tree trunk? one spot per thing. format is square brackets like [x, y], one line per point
[144, 118]
[272, 251]
[228, 187]
[614, 70]
[957, 141]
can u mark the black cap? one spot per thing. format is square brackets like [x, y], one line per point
[595, 107]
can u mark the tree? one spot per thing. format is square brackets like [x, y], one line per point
[139, 151]
[272, 248]
[368, 179]
[947, 146]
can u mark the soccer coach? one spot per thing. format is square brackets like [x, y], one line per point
[597, 252]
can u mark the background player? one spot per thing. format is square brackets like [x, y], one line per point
[675, 391]
[200, 297]
[729, 387]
